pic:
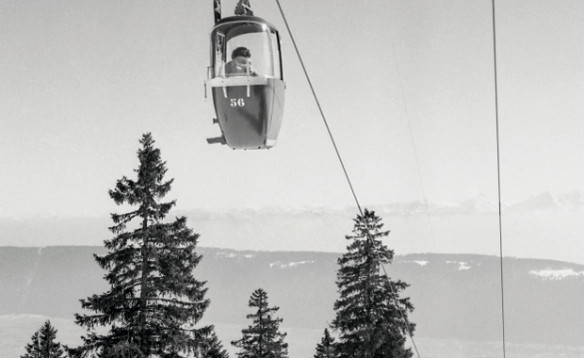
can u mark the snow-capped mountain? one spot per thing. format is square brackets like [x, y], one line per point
[545, 202]
[549, 203]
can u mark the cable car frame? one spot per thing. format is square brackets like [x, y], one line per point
[248, 100]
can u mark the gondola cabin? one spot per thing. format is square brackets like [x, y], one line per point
[246, 81]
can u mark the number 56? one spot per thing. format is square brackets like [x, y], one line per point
[237, 102]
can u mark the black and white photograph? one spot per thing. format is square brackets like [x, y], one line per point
[288, 179]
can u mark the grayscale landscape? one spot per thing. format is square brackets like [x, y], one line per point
[458, 122]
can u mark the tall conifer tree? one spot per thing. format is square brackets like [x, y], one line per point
[326, 347]
[154, 301]
[371, 318]
[262, 339]
[43, 344]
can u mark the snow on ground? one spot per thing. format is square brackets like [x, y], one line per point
[291, 264]
[461, 265]
[556, 274]
[421, 263]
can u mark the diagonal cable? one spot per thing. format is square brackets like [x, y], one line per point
[320, 108]
[342, 164]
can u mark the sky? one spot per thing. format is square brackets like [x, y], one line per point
[407, 88]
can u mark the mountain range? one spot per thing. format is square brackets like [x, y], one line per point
[539, 203]
[545, 225]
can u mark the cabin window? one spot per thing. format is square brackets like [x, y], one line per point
[219, 54]
[262, 43]
[275, 46]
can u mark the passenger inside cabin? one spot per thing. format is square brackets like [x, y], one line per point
[240, 64]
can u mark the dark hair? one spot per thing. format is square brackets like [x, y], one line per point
[240, 51]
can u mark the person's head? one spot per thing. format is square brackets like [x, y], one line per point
[240, 52]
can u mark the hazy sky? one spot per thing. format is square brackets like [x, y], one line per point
[81, 81]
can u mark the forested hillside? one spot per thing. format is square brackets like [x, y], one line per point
[455, 296]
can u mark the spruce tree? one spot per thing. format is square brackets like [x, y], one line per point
[43, 344]
[326, 347]
[154, 301]
[371, 318]
[262, 339]
[213, 348]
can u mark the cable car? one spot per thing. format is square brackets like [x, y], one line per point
[246, 80]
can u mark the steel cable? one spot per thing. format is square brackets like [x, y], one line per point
[408, 328]
[498, 176]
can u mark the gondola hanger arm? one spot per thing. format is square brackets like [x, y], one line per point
[243, 8]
